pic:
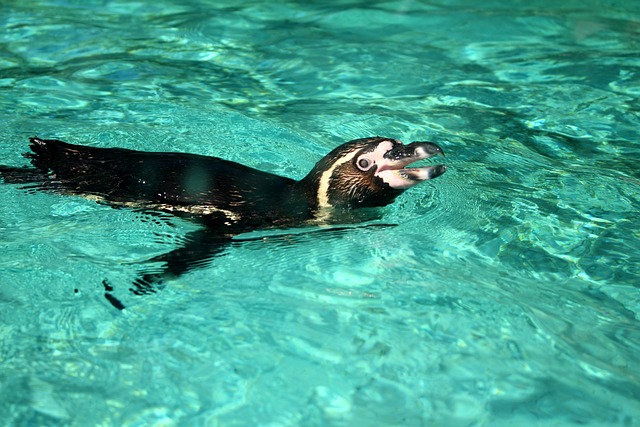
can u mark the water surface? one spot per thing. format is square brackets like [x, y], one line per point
[507, 294]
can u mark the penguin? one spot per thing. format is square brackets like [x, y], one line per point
[225, 198]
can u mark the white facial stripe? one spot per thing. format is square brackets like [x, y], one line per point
[376, 156]
[382, 149]
[402, 179]
[396, 180]
[325, 178]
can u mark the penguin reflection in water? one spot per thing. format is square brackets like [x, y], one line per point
[223, 197]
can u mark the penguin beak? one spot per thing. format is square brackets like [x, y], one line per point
[391, 168]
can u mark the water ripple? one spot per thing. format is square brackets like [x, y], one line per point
[504, 293]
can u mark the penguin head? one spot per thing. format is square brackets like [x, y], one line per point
[369, 172]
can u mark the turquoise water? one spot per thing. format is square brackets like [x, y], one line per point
[508, 293]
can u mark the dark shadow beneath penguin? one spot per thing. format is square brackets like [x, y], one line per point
[223, 197]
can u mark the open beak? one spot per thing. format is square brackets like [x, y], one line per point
[392, 168]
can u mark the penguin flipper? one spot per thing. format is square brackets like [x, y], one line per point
[200, 247]
[197, 251]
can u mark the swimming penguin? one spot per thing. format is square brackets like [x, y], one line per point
[224, 197]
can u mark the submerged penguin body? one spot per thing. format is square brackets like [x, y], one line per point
[225, 197]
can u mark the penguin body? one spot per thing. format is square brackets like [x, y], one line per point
[225, 197]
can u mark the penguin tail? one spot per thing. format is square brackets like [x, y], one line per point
[47, 152]
[23, 175]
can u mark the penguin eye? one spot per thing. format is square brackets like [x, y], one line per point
[364, 164]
